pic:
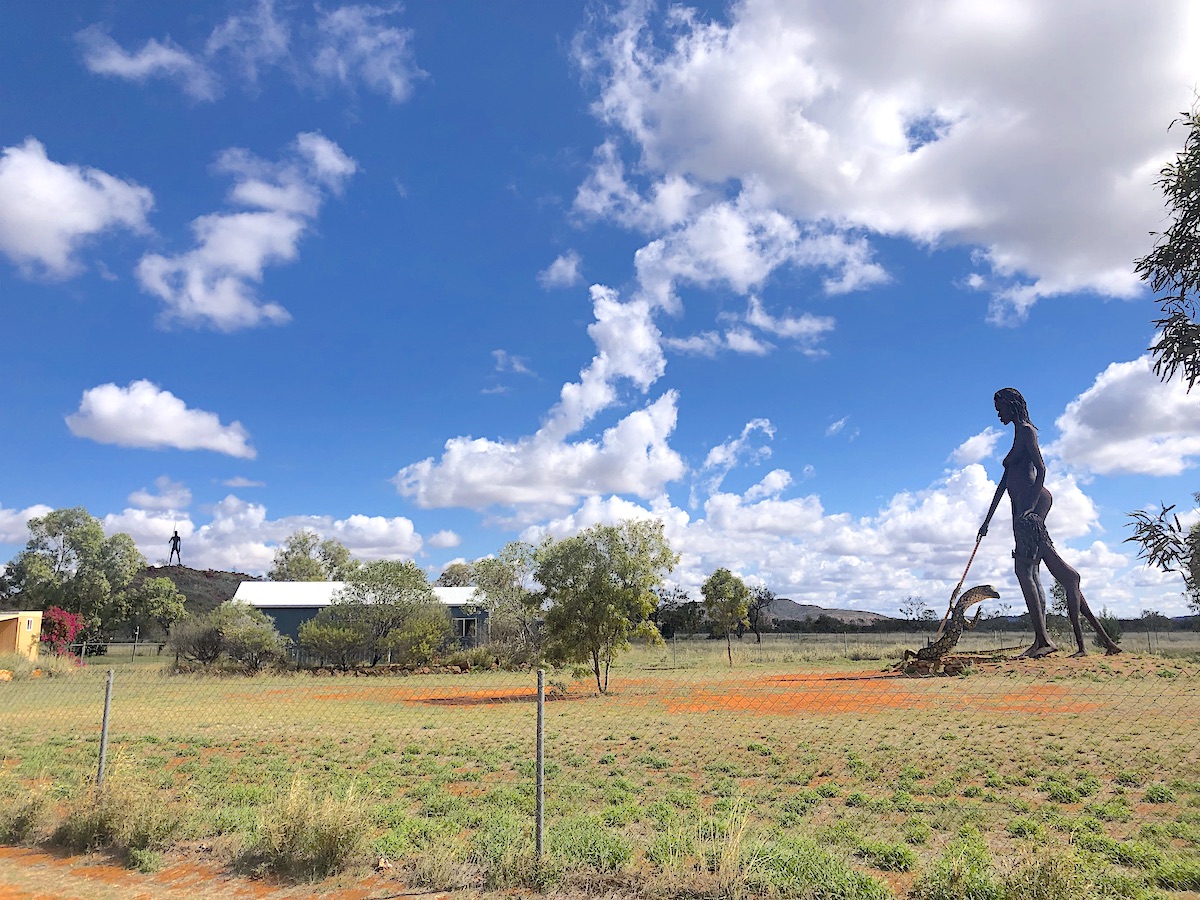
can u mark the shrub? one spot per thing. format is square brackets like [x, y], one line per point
[584, 841]
[886, 856]
[1111, 626]
[800, 868]
[503, 848]
[340, 645]
[963, 872]
[122, 815]
[1048, 876]
[303, 835]
[245, 634]
[21, 816]
[1159, 793]
[59, 629]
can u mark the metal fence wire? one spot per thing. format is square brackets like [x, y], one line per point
[692, 766]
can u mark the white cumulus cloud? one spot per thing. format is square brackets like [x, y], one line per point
[48, 209]
[978, 447]
[14, 523]
[168, 495]
[915, 119]
[214, 283]
[563, 272]
[142, 414]
[1129, 421]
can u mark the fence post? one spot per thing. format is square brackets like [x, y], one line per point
[540, 825]
[104, 729]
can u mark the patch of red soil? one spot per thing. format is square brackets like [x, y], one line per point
[814, 693]
[27, 874]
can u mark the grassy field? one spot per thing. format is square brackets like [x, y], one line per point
[803, 764]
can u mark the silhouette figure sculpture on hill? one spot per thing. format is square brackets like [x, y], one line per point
[176, 541]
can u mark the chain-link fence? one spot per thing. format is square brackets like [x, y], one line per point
[704, 767]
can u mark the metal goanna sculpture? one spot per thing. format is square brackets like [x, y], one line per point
[932, 660]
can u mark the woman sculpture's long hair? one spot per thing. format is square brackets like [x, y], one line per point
[1013, 399]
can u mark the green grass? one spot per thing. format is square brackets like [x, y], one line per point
[971, 784]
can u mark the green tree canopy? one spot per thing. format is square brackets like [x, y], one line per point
[69, 562]
[599, 585]
[727, 601]
[504, 586]
[391, 606]
[457, 574]
[156, 601]
[305, 557]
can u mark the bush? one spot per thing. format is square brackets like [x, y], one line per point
[301, 835]
[123, 815]
[339, 645]
[800, 868]
[963, 872]
[241, 632]
[21, 817]
[1111, 626]
[584, 841]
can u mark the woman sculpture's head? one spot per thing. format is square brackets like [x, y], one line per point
[1011, 406]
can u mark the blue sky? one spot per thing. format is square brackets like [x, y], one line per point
[432, 278]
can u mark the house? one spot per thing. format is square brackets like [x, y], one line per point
[292, 603]
[20, 633]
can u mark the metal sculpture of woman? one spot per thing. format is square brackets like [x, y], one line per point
[1024, 478]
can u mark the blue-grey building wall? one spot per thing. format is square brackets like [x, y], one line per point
[288, 620]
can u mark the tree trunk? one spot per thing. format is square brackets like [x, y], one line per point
[729, 648]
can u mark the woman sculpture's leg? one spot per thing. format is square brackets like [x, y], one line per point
[1026, 570]
[1076, 602]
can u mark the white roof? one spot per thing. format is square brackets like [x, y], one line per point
[268, 594]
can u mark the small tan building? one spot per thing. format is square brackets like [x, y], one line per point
[20, 632]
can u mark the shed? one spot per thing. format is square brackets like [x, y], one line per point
[21, 632]
[292, 603]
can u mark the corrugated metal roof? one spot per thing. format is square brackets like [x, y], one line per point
[315, 594]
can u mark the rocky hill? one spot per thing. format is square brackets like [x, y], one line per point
[783, 610]
[205, 589]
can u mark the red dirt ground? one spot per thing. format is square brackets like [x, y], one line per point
[27, 874]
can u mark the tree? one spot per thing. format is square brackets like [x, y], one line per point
[379, 601]
[600, 586]
[156, 601]
[503, 584]
[1165, 544]
[1172, 269]
[305, 557]
[251, 638]
[758, 612]
[913, 608]
[726, 600]
[237, 630]
[1058, 599]
[69, 563]
[340, 645]
[457, 574]
[1111, 625]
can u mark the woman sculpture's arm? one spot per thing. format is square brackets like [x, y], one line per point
[1000, 488]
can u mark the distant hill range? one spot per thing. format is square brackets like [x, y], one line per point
[783, 610]
[205, 589]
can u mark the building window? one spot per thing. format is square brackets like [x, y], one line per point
[29, 624]
[465, 627]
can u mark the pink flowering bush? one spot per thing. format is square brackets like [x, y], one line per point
[59, 629]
